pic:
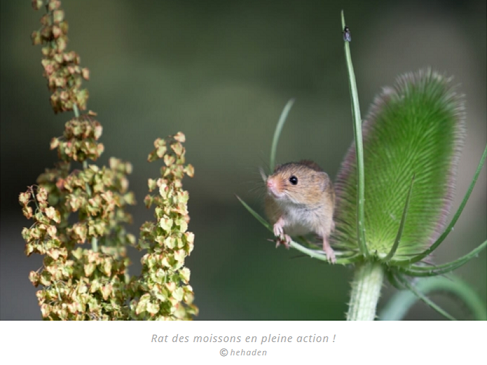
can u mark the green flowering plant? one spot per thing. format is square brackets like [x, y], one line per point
[395, 186]
[77, 202]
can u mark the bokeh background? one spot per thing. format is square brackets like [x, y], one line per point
[221, 72]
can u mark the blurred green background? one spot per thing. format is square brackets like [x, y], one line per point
[221, 72]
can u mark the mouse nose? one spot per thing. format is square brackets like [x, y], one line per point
[273, 187]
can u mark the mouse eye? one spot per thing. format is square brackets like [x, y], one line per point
[293, 180]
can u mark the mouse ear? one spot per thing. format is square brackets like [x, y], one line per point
[325, 180]
[311, 165]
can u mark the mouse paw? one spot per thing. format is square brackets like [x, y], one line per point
[330, 255]
[286, 241]
[283, 239]
[278, 228]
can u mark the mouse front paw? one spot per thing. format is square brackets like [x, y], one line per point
[278, 227]
[285, 240]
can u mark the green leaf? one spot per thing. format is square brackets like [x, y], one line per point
[277, 132]
[444, 268]
[255, 214]
[401, 225]
[393, 280]
[415, 128]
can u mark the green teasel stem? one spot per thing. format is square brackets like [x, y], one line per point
[359, 150]
[366, 287]
[317, 254]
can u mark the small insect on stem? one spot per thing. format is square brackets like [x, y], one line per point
[347, 36]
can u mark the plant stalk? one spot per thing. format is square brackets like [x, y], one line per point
[359, 149]
[366, 286]
[94, 240]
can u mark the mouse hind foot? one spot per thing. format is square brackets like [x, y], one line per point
[330, 254]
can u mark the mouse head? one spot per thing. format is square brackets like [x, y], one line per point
[302, 182]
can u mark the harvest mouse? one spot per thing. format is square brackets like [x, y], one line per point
[300, 199]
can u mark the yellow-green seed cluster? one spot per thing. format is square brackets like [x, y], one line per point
[80, 139]
[61, 68]
[164, 292]
[80, 283]
[77, 203]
